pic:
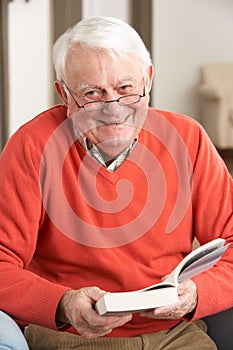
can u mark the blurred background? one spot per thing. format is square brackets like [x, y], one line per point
[182, 36]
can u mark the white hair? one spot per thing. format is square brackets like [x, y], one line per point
[106, 33]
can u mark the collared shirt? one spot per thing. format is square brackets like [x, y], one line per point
[95, 152]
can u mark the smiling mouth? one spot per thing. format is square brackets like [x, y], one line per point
[114, 123]
[111, 122]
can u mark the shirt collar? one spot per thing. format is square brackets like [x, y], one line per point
[94, 151]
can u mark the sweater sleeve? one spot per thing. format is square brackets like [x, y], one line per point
[24, 295]
[213, 217]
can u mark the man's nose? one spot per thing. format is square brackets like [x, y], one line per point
[111, 107]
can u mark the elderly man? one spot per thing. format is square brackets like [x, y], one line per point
[103, 193]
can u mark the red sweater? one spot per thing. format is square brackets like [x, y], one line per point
[66, 222]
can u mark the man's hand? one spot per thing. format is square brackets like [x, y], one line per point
[76, 308]
[187, 292]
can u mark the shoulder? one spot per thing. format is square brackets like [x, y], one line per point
[177, 132]
[33, 136]
[39, 128]
[177, 119]
[187, 127]
[46, 121]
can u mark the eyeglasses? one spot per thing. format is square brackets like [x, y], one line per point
[122, 101]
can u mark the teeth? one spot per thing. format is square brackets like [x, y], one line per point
[114, 123]
[119, 122]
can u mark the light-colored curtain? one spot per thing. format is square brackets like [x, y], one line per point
[4, 105]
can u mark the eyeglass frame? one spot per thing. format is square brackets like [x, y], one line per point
[105, 102]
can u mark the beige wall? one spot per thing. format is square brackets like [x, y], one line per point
[187, 34]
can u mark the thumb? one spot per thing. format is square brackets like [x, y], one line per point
[95, 293]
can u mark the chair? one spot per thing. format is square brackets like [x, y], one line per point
[216, 103]
[220, 325]
[220, 329]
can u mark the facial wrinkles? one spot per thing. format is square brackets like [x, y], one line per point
[88, 69]
[91, 69]
[127, 80]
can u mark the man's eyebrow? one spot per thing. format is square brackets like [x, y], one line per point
[128, 79]
[84, 86]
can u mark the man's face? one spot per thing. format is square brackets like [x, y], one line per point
[95, 75]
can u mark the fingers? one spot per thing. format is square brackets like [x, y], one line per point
[97, 326]
[186, 304]
[77, 309]
[187, 292]
[169, 313]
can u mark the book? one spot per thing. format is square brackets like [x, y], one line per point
[165, 292]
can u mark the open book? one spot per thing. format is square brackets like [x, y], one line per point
[163, 293]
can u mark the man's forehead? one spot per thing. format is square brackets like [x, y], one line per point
[86, 67]
[79, 53]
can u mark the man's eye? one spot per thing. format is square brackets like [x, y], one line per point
[125, 89]
[94, 95]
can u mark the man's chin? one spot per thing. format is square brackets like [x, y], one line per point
[114, 147]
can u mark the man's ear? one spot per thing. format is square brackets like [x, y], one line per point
[149, 78]
[61, 92]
